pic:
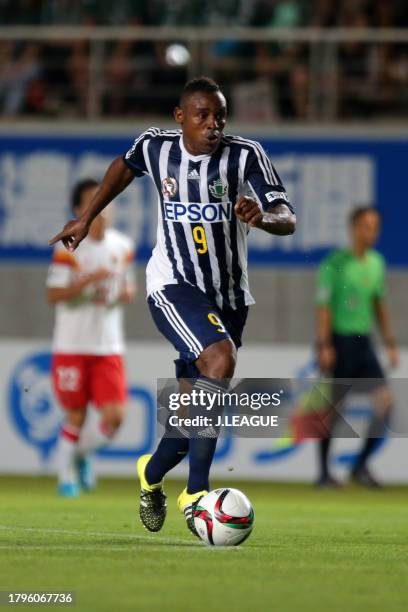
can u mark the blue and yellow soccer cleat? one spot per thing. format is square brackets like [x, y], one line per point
[153, 506]
[86, 473]
[68, 489]
[187, 503]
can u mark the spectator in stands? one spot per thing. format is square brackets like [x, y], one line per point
[371, 77]
[127, 87]
[68, 61]
[360, 68]
[323, 13]
[21, 12]
[17, 76]
[284, 64]
[227, 13]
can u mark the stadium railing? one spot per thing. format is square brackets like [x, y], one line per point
[310, 74]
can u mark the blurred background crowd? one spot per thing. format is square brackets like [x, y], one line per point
[264, 77]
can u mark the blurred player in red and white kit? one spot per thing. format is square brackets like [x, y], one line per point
[89, 288]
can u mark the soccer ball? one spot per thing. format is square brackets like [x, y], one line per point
[224, 517]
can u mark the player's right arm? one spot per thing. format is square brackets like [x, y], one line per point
[65, 279]
[325, 351]
[76, 288]
[119, 175]
[116, 179]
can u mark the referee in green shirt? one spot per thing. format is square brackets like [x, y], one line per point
[350, 298]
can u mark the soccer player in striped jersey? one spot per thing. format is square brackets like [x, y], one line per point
[212, 189]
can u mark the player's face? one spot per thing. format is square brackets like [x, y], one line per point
[202, 118]
[366, 229]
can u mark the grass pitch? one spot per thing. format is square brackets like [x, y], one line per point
[310, 550]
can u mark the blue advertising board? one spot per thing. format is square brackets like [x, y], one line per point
[325, 179]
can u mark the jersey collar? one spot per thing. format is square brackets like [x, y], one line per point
[192, 157]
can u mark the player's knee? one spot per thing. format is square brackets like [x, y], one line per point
[388, 405]
[76, 418]
[113, 418]
[116, 421]
[383, 402]
[218, 360]
[388, 409]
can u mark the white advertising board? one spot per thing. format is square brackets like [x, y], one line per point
[30, 418]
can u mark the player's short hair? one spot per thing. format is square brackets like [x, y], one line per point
[78, 190]
[202, 83]
[360, 211]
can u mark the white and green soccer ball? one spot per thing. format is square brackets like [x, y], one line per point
[224, 517]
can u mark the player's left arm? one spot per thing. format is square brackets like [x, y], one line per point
[117, 177]
[387, 332]
[383, 315]
[128, 294]
[269, 209]
[279, 220]
[129, 290]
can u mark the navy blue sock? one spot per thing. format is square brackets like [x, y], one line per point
[201, 453]
[168, 454]
[203, 443]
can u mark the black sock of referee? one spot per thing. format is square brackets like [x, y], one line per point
[376, 431]
[324, 447]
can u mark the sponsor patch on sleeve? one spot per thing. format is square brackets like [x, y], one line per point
[276, 195]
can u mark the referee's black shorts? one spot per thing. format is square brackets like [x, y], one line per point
[355, 358]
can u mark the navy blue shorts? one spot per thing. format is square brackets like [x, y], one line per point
[191, 322]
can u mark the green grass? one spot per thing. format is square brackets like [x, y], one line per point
[310, 550]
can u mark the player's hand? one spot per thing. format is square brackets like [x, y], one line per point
[326, 358]
[100, 274]
[393, 357]
[72, 234]
[248, 211]
[127, 296]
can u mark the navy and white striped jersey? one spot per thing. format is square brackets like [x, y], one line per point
[199, 239]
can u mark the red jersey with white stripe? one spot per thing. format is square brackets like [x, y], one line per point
[92, 323]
